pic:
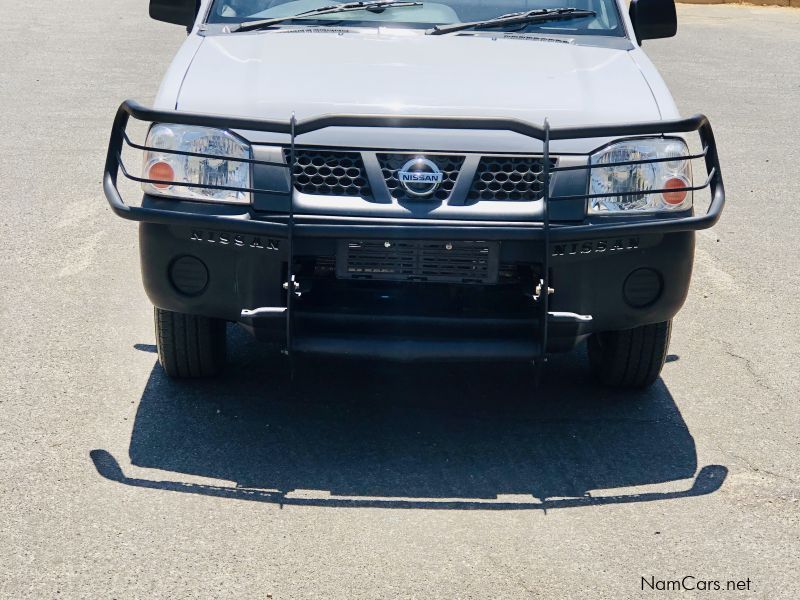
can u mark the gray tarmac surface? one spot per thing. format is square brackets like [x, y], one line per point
[379, 481]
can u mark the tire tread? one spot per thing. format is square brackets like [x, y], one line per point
[630, 359]
[189, 346]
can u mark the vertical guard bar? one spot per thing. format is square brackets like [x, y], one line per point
[708, 140]
[290, 279]
[115, 145]
[544, 295]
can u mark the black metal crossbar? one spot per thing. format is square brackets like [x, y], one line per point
[252, 161]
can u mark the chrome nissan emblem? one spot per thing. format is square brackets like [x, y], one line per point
[420, 177]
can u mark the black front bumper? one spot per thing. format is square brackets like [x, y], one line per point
[244, 266]
[245, 272]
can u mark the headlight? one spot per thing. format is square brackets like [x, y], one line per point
[668, 175]
[166, 167]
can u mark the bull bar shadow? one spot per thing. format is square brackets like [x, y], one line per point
[371, 434]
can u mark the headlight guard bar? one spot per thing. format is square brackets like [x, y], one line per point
[293, 129]
[543, 231]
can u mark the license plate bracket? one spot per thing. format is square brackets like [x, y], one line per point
[432, 261]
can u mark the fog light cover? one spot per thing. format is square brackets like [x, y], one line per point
[642, 288]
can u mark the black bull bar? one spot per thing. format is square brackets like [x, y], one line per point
[542, 230]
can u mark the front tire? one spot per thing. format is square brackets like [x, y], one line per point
[190, 346]
[630, 359]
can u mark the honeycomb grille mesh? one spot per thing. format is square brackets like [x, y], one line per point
[392, 163]
[342, 173]
[509, 178]
[329, 173]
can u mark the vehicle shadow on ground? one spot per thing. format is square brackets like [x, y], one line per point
[360, 434]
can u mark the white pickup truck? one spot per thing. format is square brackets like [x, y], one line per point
[449, 180]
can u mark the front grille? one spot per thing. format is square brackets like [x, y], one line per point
[427, 261]
[342, 173]
[392, 163]
[509, 178]
[329, 173]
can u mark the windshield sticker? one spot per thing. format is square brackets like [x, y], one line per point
[537, 38]
[316, 30]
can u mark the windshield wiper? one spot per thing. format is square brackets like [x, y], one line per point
[371, 5]
[518, 18]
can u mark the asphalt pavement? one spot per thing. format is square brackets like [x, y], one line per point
[374, 480]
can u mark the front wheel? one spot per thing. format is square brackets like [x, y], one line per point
[190, 346]
[632, 358]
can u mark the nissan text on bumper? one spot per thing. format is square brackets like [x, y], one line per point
[417, 182]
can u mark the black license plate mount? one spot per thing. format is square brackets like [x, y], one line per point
[432, 261]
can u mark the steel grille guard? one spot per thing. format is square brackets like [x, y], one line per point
[399, 228]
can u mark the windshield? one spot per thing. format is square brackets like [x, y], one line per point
[444, 12]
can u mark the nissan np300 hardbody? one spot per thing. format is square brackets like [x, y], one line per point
[433, 180]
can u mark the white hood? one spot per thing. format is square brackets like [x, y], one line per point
[311, 72]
